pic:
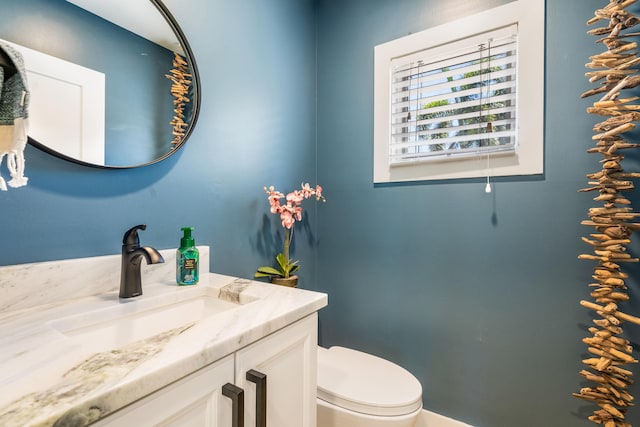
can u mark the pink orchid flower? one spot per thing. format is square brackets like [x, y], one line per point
[289, 213]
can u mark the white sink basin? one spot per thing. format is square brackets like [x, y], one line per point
[128, 321]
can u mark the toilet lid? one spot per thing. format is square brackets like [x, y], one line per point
[367, 384]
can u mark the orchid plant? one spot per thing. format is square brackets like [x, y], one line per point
[290, 212]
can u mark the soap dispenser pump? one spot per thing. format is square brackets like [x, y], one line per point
[187, 259]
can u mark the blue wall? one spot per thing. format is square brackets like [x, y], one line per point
[476, 294]
[256, 128]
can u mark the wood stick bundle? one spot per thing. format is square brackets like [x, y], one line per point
[180, 87]
[614, 220]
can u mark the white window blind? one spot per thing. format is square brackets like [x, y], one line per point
[455, 100]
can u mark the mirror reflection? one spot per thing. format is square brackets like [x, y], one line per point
[134, 47]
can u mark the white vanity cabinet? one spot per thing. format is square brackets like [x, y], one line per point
[289, 360]
[286, 358]
[195, 400]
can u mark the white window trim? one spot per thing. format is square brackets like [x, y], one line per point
[529, 157]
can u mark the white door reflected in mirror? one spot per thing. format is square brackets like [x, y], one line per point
[66, 106]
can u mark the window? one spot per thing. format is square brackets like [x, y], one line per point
[464, 99]
[455, 100]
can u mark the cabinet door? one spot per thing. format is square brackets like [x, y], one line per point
[288, 358]
[194, 401]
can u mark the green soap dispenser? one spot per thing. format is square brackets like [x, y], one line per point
[187, 259]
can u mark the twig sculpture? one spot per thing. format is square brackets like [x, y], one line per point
[614, 221]
[180, 90]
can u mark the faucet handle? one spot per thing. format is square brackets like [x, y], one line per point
[131, 235]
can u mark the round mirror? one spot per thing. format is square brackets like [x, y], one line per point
[112, 84]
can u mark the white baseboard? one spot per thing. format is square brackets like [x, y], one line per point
[431, 419]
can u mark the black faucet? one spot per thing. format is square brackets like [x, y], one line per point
[132, 253]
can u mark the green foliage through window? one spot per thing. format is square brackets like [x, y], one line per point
[464, 103]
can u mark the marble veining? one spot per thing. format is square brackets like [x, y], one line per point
[50, 379]
[233, 291]
[97, 372]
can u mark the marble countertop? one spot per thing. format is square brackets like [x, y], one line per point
[48, 378]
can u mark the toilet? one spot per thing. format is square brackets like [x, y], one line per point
[357, 389]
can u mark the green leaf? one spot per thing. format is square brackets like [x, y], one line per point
[282, 262]
[286, 268]
[258, 275]
[267, 271]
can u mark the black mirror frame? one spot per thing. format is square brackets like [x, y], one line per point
[195, 100]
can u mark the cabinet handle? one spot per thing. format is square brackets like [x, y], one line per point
[260, 380]
[236, 394]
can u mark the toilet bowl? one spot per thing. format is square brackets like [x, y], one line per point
[356, 389]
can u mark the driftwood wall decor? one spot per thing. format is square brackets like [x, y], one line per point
[181, 82]
[614, 219]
